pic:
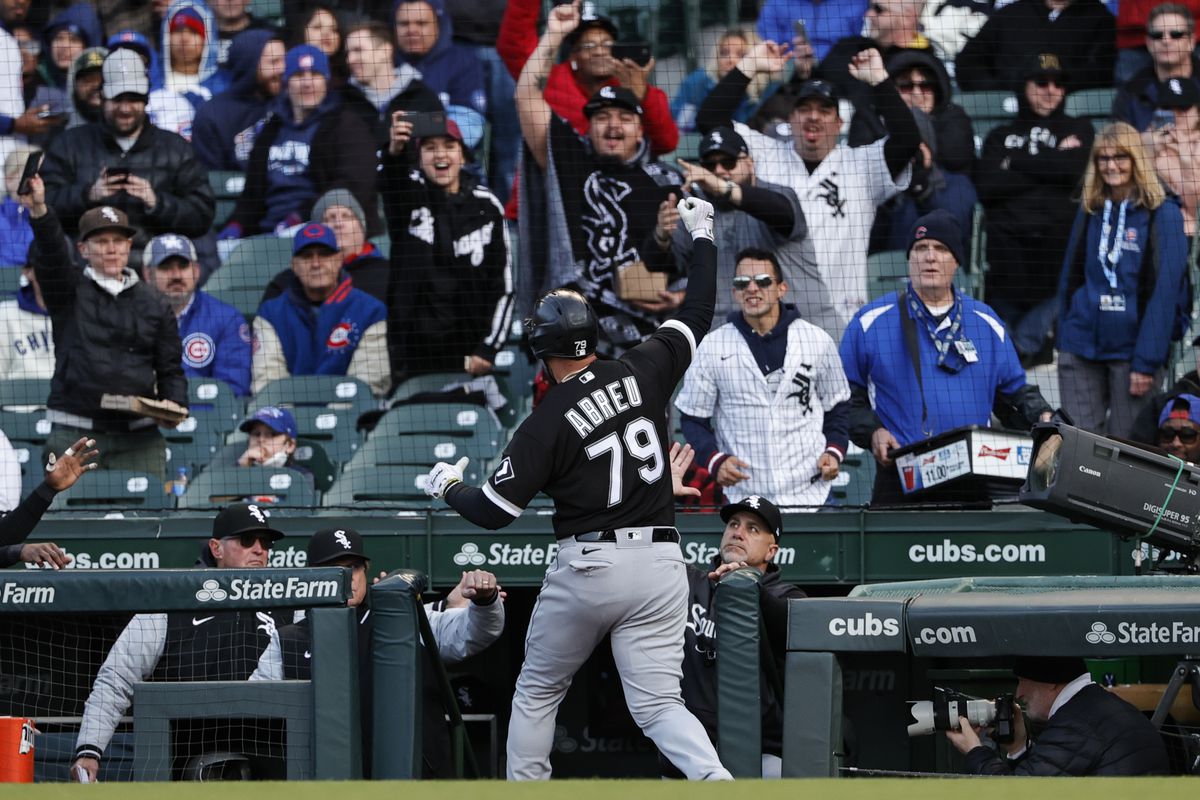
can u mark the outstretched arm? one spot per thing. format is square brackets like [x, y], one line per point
[532, 108]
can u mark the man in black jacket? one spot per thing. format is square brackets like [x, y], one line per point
[123, 161]
[751, 539]
[1088, 730]
[112, 334]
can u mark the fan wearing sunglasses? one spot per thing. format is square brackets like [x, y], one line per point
[765, 404]
[1179, 427]
[1170, 40]
[754, 213]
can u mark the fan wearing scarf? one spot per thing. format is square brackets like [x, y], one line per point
[968, 366]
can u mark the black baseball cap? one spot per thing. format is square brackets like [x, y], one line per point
[612, 97]
[238, 518]
[590, 19]
[761, 507]
[723, 140]
[821, 90]
[1178, 93]
[330, 544]
[1049, 669]
[1042, 65]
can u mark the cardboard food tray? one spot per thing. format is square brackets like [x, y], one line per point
[143, 407]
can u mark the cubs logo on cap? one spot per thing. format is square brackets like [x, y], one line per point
[921, 232]
[277, 419]
[314, 234]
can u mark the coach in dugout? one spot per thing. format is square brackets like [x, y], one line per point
[181, 646]
[460, 631]
[751, 539]
[1085, 729]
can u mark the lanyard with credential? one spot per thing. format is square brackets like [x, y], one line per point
[1110, 256]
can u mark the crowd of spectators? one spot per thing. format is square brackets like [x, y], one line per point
[437, 165]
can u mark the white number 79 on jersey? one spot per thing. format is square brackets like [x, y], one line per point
[641, 441]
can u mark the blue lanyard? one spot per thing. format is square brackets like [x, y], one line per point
[1110, 256]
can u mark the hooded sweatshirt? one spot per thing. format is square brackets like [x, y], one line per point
[174, 102]
[83, 19]
[224, 128]
[451, 69]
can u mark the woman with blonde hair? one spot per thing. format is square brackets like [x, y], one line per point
[730, 47]
[1123, 277]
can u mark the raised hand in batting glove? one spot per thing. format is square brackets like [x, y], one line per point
[697, 216]
[443, 476]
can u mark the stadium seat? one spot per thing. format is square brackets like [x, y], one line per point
[244, 299]
[218, 486]
[1093, 104]
[452, 419]
[10, 281]
[27, 394]
[318, 391]
[193, 443]
[215, 399]
[227, 187]
[310, 455]
[886, 272]
[113, 490]
[252, 264]
[424, 449]
[856, 479]
[332, 428]
[514, 373]
[383, 243]
[373, 487]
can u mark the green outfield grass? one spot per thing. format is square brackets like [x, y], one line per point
[882, 789]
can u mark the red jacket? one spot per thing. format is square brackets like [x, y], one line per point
[1131, 20]
[518, 39]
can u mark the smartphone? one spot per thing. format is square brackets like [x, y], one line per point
[120, 173]
[426, 123]
[1163, 118]
[637, 52]
[800, 30]
[33, 165]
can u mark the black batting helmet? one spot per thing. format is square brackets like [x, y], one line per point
[562, 324]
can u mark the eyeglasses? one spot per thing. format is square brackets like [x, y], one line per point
[1119, 158]
[712, 162]
[1158, 36]
[587, 47]
[742, 282]
[247, 540]
[1043, 83]
[905, 85]
[1185, 435]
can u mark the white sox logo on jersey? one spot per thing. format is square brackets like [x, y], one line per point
[803, 391]
[607, 226]
[504, 472]
[198, 350]
[420, 225]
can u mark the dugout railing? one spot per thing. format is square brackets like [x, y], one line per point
[45, 671]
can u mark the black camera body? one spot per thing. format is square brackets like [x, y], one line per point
[942, 713]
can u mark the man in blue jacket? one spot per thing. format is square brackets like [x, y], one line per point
[968, 366]
[321, 324]
[224, 128]
[216, 338]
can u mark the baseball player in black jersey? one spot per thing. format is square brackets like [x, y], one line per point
[597, 446]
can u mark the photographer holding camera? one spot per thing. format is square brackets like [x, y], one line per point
[1085, 730]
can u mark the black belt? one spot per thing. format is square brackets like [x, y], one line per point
[657, 535]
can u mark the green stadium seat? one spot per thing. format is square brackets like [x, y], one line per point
[375, 487]
[227, 187]
[311, 455]
[987, 110]
[855, 480]
[24, 393]
[113, 490]
[425, 449]
[218, 486]
[332, 428]
[318, 391]
[244, 299]
[1091, 103]
[215, 399]
[10, 281]
[383, 243]
[452, 419]
[193, 443]
[252, 264]
[886, 272]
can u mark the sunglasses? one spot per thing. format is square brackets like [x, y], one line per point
[1042, 83]
[742, 282]
[1185, 435]
[906, 85]
[712, 162]
[247, 540]
[1158, 36]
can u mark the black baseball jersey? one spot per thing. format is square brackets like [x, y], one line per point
[597, 444]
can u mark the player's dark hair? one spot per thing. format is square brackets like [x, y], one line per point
[759, 254]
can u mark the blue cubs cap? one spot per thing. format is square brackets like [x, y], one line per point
[1181, 406]
[940, 226]
[314, 233]
[169, 245]
[305, 58]
[277, 419]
